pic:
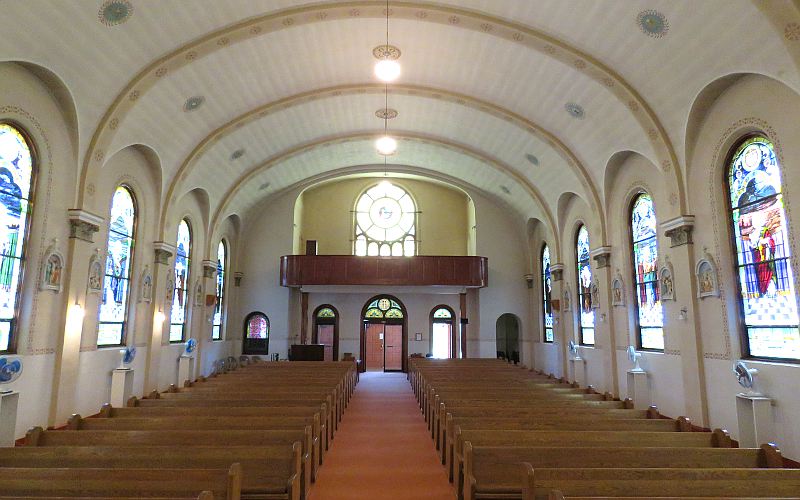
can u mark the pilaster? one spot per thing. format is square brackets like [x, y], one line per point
[562, 317]
[683, 335]
[83, 226]
[161, 306]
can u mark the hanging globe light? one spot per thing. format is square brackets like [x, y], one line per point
[386, 145]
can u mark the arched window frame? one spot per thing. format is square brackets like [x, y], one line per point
[449, 321]
[363, 243]
[734, 213]
[247, 319]
[548, 334]
[327, 320]
[584, 294]
[125, 277]
[217, 325]
[181, 288]
[13, 321]
[645, 283]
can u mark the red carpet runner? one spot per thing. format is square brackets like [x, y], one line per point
[383, 449]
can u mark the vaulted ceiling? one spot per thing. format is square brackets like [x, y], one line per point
[521, 99]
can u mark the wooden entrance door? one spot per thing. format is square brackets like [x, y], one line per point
[325, 336]
[375, 338]
[393, 341]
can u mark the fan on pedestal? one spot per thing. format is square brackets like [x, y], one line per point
[191, 346]
[10, 370]
[573, 350]
[634, 357]
[126, 357]
[746, 377]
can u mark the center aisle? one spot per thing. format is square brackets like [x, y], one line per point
[383, 449]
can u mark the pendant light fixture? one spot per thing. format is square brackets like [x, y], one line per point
[387, 69]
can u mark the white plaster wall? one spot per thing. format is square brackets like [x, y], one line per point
[752, 104]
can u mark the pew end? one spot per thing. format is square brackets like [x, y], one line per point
[721, 438]
[132, 402]
[684, 424]
[652, 412]
[33, 436]
[105, 411]
[528, 489]
[771, 456]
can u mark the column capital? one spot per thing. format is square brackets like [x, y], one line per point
[601, 255]
[679, 230]
[557, 272]
[83, 224]
[237, 279]
[163, 251]
[209, 268]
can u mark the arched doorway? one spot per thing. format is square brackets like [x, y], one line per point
[443, 332]
[384, 336]
[256, 334]
[326, 330]
[507, 328]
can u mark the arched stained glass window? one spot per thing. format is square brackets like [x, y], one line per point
[256, 334]
[585, 307]
[547, 287]
[768, 303]
[111, 326]
[16, 188]
[180, 299]
[385, 222]
[384, 308]
[650, 316]
[326, 313]
[442, 329]
[222, 259]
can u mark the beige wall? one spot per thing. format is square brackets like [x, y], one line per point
[442, 225]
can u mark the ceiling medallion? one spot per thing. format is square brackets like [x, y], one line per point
[193, 103]
[264, 186]
[653, 23]
[505, 189]
[114, 12]
[237, 154]
[575, 110]
[386, 113]
[532, 158]
[384, 52]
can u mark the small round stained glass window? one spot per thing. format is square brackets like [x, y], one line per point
[385, 222]
[384, 304]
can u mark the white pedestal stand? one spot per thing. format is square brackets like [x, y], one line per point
[638, 389]
[185, 369]
[577, 368]
[9, 401]
[121, 386]
[754, 413]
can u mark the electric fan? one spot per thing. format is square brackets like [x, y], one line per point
[191, 346]
[573, 349]
[746, 377]
[10, 370]
[634, 356]
[126, 357]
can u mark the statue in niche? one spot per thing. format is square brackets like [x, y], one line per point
[95, 281]
[566, 300]
[52, 269]
[595, 293]
[146, 292]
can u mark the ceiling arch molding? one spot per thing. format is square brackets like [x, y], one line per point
[343, 172]
[412, 90]
[531, 190]
[446, 15]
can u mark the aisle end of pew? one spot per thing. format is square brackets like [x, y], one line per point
[528, 490]
[235, 482]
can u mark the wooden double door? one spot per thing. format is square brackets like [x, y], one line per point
[384, 346]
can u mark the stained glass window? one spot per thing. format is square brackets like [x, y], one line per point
[442, 313]
[16, 187]
[547, 288]
[258, 326]
[767, 301]
[385, 222]
[216, 326]
[181, 297]
[650, 317]
[326, 312]
[384, 308]
[585, 309]
[116, 285]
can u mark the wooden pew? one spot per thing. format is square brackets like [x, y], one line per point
[565, 438]
[185, 439]
[197, 423]
[490, 469]
[555, 484]
[274, 471]
[20, 482]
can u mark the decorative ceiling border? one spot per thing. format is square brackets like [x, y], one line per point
[533, 192]
[408, 90]
[440, 14]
